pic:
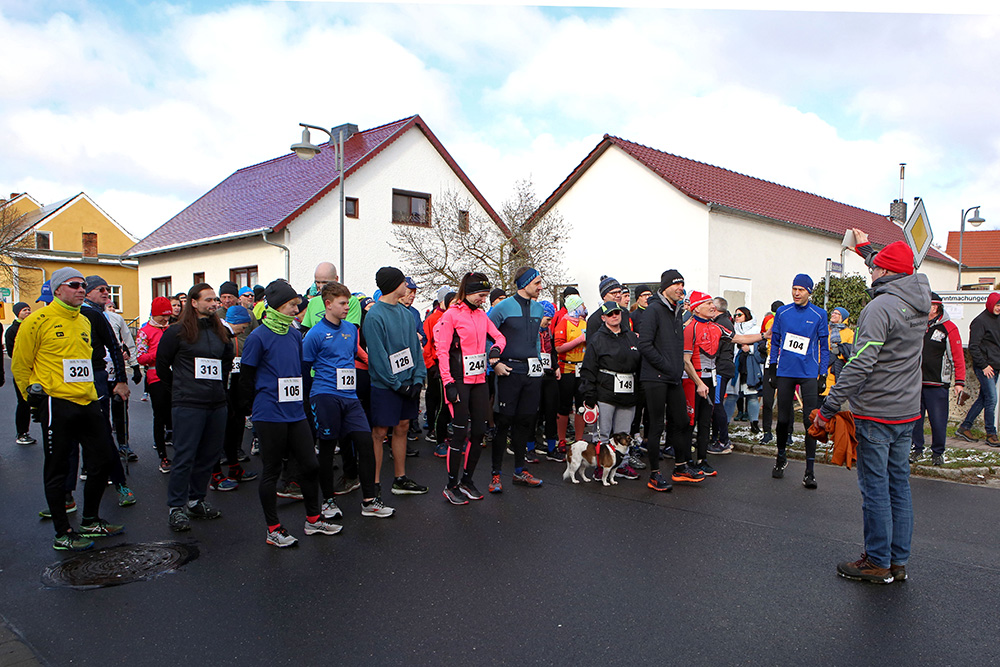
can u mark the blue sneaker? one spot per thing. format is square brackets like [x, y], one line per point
[441, 451]
[720, 448]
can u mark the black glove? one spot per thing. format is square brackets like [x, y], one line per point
[589, 402]
[136, 375]
[415, 390]
[35, 400]
[451, 393]
[821, 384]
[772, 380]
[404, 391]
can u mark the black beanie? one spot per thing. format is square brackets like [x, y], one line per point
[639, 289]
[278, 293]
[775, 306]
[388, 278]
[18, 307]
[229, 287]
[258, 292]
[449, 297]
[496, 294]
[670, 277]
[93, 282]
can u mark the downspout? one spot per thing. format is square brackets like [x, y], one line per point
[45, 275]
[288, 253]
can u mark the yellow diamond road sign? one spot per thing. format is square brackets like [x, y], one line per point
[918, 233]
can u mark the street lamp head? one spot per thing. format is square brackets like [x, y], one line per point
[306, 149]
[975, 220]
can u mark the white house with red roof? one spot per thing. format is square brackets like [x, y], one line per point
[634, 211]
[286, 213]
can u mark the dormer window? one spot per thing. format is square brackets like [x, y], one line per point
[43, 240]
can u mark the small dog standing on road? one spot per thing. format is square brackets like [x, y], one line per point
[581, 455]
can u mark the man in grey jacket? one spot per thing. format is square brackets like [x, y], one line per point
[883, 381]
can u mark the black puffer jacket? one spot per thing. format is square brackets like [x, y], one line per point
[175, 363]
[725, 364]
[614, 352]
[984, 337]
[661, 341]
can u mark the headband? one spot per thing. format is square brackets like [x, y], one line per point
[526, 278]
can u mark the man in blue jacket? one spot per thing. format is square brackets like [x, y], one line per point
[799, 345]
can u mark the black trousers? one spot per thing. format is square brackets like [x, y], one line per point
[550, 404]
[767, 401]
[786, 408]
[437, 414]
[159, 398]
[22, 415]
[119, 419]
[469, 417]
[293, 440]
[358, 453]
[667, 402]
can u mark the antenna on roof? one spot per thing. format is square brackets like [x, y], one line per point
[902, 176]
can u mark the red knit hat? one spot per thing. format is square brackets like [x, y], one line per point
[161, 306]
[991, 301]
[698, 298]
[896, 257]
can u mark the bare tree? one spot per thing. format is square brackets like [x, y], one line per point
[459, 240]
[13, 246]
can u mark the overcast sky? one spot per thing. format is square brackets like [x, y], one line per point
[146, 106]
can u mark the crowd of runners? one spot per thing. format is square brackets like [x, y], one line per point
[337, 372]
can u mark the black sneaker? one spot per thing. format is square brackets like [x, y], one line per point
[179, 521]
[555, 455]
[766, 438]
[202, 510]
[345, 485]
[407, 487]
[914, 456]
[470, 490]
[412, 452]
[779, 468]
[937, 460]
[242, 456]
[707, 469]
[529, 457]
[454, 496]
[809, 480]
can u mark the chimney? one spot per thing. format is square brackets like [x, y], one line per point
[897, 210]
[349, 129]
[90, 245]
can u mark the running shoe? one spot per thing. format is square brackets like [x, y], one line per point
[411, 436]
[100, 528]
[667, 453]
[766, 438]
[720, 448]
[779, 468]
[706, 469]
[179, 520]
[431, 437]
[687, 474]
[127, 454]
[345, 485]
[454, 496]
[495, 485]
[330, 510]
[376, 508]
[165, 465]
[634, 460]
[125, 495]
[809, 480]
[470, 490]
[322, 527]
[865, 570]
[626, 472]
[220, 482]
[280, 538]
[937, 460]
[202, 510]
[83, 475]
[556, 456]
[441, 451]
[657, 483]
[915, 456]
[71, 542]
[410, 451]
[255, 447]
[993, 440]
[25, 439]
[966, 434]
[291, 490]
[529, 457]
[525, 478]
[407, 487]
[241, 474]
[70, 508]
[242, 456]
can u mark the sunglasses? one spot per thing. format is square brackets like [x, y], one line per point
[76, 284]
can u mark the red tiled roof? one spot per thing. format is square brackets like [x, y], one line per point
[269, 195]
[979, 249]
[714, 185]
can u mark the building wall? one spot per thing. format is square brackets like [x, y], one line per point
[81, 216]
[626, 222]
[409, 163]
[972, 276]
[214, 260]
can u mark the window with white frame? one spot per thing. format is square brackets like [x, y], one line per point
[116, 297]
[43, 240]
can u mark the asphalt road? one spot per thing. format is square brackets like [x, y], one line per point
[739, 570]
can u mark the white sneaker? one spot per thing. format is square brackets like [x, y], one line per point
[376, 508]
[330, 510]
[280, 538]
[322, 526]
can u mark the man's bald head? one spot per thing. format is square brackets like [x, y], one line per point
[325, 273]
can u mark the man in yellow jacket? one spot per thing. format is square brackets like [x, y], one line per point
[53, 369]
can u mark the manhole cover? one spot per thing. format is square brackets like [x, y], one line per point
[118, 565]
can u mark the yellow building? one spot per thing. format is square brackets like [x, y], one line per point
[37, 240]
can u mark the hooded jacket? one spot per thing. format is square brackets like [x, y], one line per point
[883, 377]
[609, 353]
[462, 332]
[661, 341]
[943, 357]
[984, 336]
[175, 364]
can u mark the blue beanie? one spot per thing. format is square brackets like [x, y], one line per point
[843, 313]
[548, 310]
[803, 281]
[237, 315]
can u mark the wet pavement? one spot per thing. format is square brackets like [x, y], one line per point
[737, 570]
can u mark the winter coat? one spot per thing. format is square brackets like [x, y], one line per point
[608, 354]
[661, 341]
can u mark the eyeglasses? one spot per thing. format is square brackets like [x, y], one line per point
[76, 284]
[614, 293]
[102, 289]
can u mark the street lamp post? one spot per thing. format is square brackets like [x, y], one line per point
[975, 221]
[306, 150]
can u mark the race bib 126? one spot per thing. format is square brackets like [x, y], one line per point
[401, 361]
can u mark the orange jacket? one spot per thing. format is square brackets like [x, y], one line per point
[430, 351]
[845, 439]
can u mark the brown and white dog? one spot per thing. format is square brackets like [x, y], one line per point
[581, 455]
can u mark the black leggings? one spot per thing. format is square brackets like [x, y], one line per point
[550, 404]
[569, 393]
[640, 421]
[667, 401]
[357, 448]
[279, 440]
[767, 402]
[159, 397]
[119, 419]
[22, 416]
[236, 426]
[704, 409]
[437, 411]
[520, 428]
[786, 404]
[469, 418]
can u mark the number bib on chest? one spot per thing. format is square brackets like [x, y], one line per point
[796, 344]
[401, 361]
[474, 364]
[346, 379]
[236, 364]
[547, 362]
[534, 367]
[623, 383]
[77, 370]
[290, 389]
[207, 369]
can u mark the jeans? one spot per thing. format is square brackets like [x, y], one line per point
[884, 480]
[987, 400]
[933, 403]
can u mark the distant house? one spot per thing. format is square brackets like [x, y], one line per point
[280, 218]
[73, 232]
[634, 211]
[980, 258]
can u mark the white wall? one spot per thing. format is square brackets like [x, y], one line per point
[409, 163]
[214, 260]
[625, 221]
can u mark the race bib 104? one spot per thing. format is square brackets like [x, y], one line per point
[796, 344]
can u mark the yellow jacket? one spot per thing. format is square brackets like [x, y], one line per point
[46, 338]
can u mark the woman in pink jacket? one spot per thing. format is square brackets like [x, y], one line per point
[159, 391]
[460, 338]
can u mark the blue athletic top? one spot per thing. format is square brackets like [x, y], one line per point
[326, 348]
[278, 360]
[799, 341]
[518, 319]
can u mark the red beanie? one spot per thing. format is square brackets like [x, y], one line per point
[698, 298]
[161, 306]
[896, 257]
[991, 301]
